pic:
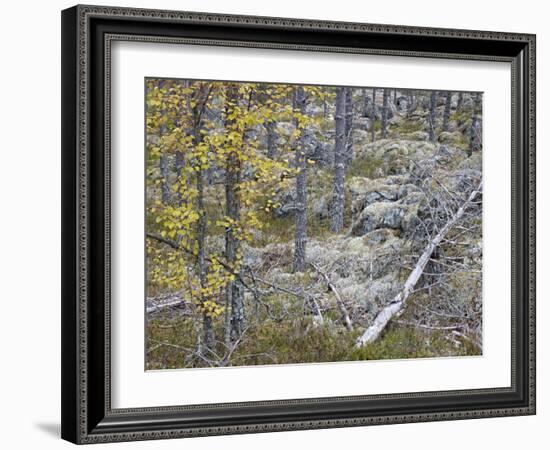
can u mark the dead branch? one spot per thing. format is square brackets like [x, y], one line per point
[397, 305]
[339, 301]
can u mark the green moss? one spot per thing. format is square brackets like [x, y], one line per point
[410, 126]
[365, 166]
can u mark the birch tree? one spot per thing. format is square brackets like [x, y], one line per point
[233, 168]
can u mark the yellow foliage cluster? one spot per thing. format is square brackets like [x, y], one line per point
[178, 124]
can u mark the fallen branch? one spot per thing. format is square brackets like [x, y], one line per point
[399, 302]
[339, 301]
[429, 327]
[170, 304]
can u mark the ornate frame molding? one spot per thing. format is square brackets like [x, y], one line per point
[80, 418]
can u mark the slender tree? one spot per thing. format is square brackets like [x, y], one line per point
[165, 173]
[270, 127]
[384, 121]
[203, 94]
[349, 125]
[459, 101]
[234, 290]
[365, 102]
[412, 103]
[337, 211]
[475, 127]
[431, 116]
[447, 111]
[300, 236]
[373, 118]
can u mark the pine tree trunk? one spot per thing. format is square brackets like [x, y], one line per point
[475, 127]
[271, 139]
[384, 121]
[431, 116]
[337, 210]
[372, 132]
[459, 101]
[365, 102]
[300, 237]
[447, 111]
[349, 126]
[412, 104]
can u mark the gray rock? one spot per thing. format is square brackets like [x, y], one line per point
[378, 215]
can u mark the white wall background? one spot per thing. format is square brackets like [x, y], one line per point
[30, 223]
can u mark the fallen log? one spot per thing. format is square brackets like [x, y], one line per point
[171, 304]
[397, 305]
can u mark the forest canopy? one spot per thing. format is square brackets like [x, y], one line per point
[298, 223]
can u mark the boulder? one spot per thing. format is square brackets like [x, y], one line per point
[378, 215]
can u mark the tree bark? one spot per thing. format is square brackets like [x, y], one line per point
[337, 219]
[475, 128]
[208, 343]
[300, 236]
[399, 302]
[373, 119]
[271, 139]
[349, 125]
[165, 184]
[447, 111]
[431, 116]
[384, 121]
[208, 332]
[459, 101]
[234, 289]
[413, 104]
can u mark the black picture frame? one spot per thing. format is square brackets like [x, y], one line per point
[87, 32]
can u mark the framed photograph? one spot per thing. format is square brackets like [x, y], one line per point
[280, 224]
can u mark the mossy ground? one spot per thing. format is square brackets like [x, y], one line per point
[171, 342]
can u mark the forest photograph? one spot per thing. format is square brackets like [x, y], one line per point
[289, 224]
